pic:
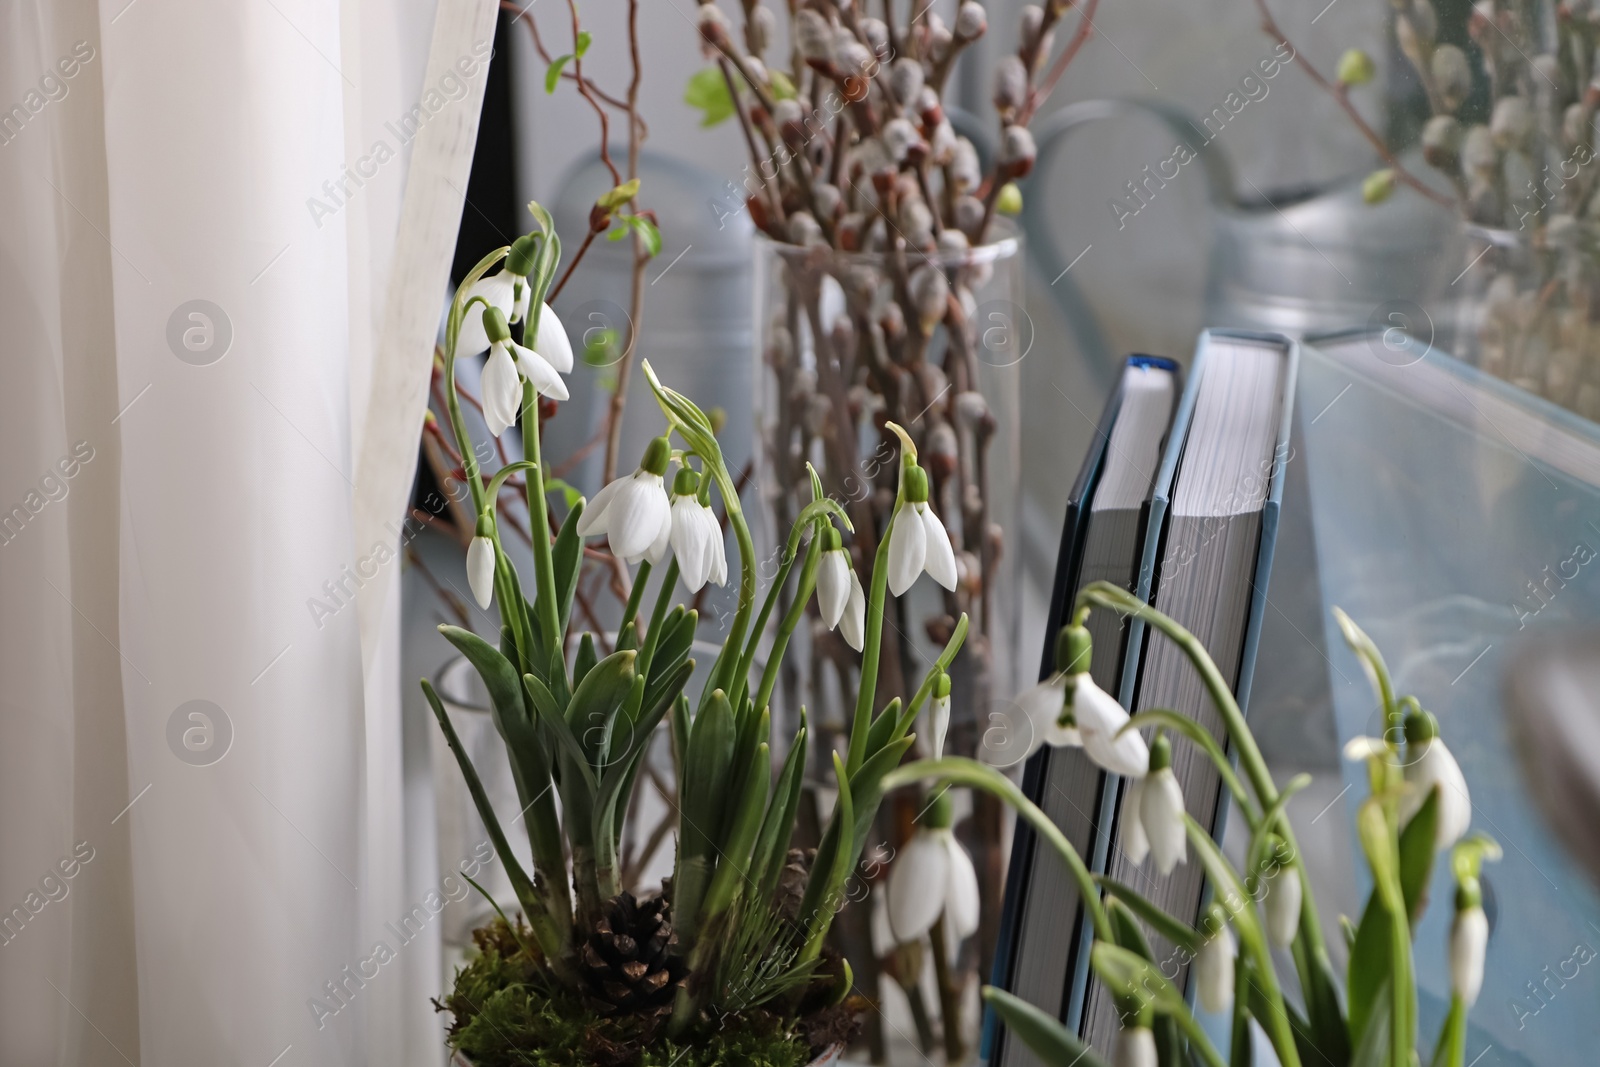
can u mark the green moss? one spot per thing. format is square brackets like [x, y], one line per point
[506, 1015]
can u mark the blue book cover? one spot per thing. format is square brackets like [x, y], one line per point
[1455, 516]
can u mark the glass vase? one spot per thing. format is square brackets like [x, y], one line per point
[1529, 310]
[846, 342]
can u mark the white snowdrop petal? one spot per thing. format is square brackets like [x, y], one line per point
[1361, 748]
[961, 901]
[551, 340]
[637, 515]
[658, 548]
[1135, 842]
[497, 290]
[1214, 972]
[537, 370]
[1283, 906]
[502, 391]
[712, 549]
[1469, 938]
[1161, 811]
[940, 714]
[916, 886]
[940, 560]
[853, 623]
[687, 535]
[480, 570]
[1099, 718]
[1136, 1047]
[1437, 767]
[833, 587]
[593, 519]
[908, 549]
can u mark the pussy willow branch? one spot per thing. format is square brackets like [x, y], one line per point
[1269, 26]
[1080, 35]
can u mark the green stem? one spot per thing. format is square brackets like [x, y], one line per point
[652, 637]
[1451, 1049]
[791, 620]
[949, 995]
[544, 571]
[791, 552]
[960, 770]
[1106, 595]
[867, 690]
[632, 608]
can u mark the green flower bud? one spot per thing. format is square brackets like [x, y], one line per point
[831, 541]
[1074, 647]
[657, 454]
[520, 259]
[915, 482]
[1009, 201]
[940, 813]
[1356, 67]
[1469, 894]
[941, 687]
[494, 325]
[1160, 753]
[687, 483]
[1378, 186]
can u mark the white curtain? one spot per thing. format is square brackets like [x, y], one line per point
[208, 409]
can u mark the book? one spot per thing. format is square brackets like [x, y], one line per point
[1206, 561]
[1042, 928]
[1457, 519]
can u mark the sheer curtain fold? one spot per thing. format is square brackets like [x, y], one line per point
[200, 811]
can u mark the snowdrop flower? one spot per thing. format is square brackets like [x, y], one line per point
[1136, 1047]
[1283, 902]
[508, 290]
[507, 365]
[633, 511]
[696, 535]
[1469, 938]
[1214, 966]
[939, 713]
[1033, 720]
[1430, 764]
[1100, 718]
[933, 875]
[840, 598]
[918, 540]
[1161, 809]
[551, 342]
[480, 563]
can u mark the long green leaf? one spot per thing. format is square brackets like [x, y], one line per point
[1163, 923]
[772, 844]
[830, 869]
[1416, 856]
[596, 701]
[556, 729]
[1052, 1042]
[567, 559]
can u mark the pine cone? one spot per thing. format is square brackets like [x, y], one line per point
[630, 960]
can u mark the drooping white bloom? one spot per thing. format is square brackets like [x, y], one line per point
[1214, 971]
[1019, 729]
[918, 542]
[853, 623]
[1283, 905]
[633, 511]
[1429, 764]
[939, 713]
[1135, 843]
[1469, 938]
[1161, 809]
[933, 875]
[833, 579]
[480, 570]
[503, 372]
[508, 291]
[1099, 718]
[502, 390]
[1364, 748]
[696, 536]
[1136, 1047]
[551, 342]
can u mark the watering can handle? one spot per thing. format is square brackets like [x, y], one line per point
[1042, 246]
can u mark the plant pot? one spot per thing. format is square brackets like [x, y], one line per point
[828, 1058]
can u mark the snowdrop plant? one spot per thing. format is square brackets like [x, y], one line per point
[1366, 1019]
[733, 933]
